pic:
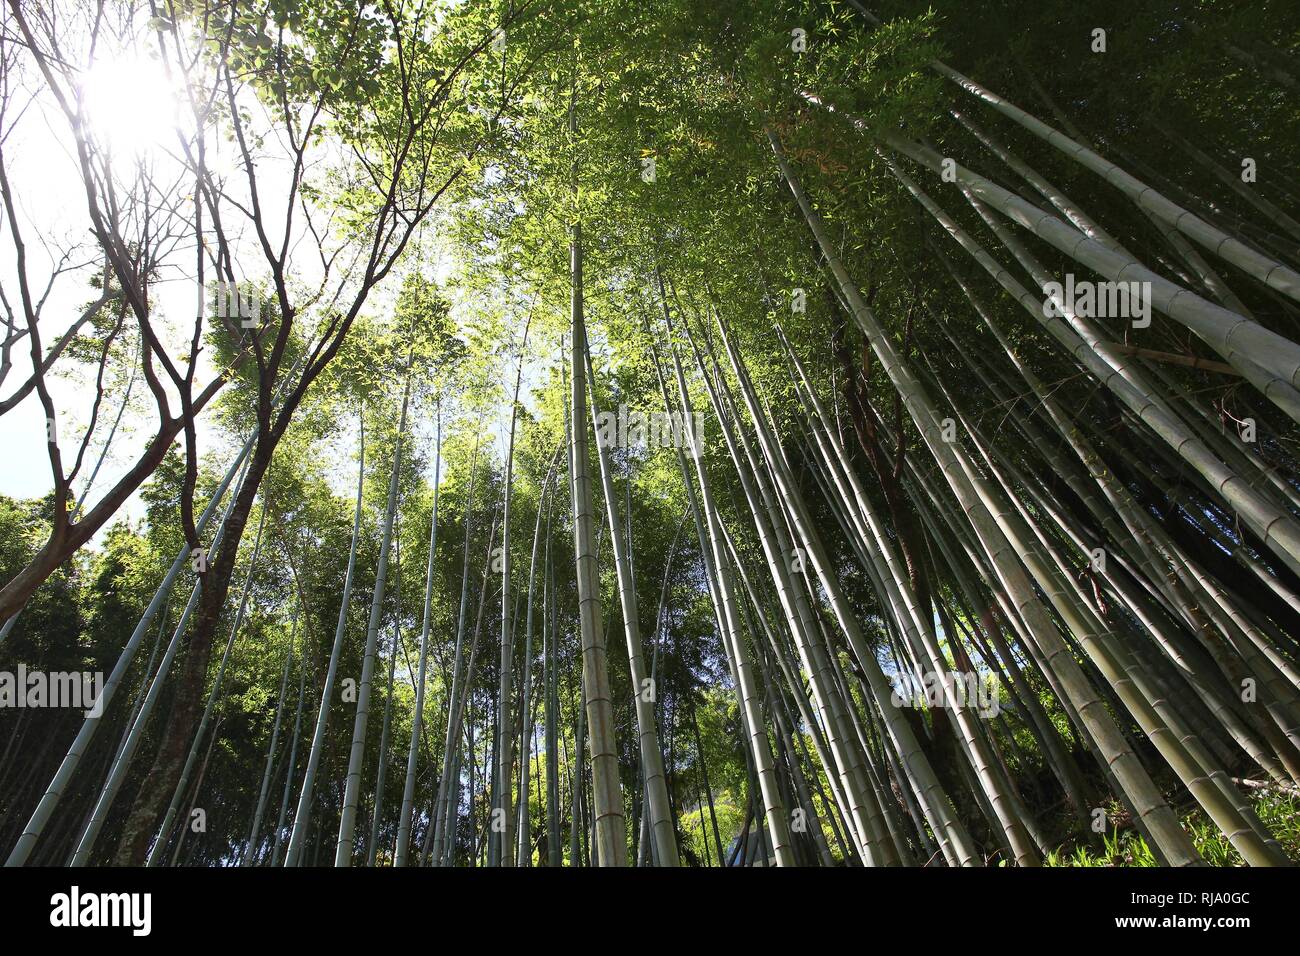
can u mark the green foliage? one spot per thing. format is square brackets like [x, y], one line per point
[559, 126]
[1279, 811]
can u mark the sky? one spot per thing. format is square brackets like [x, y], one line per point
[133, 108]
[52, 212]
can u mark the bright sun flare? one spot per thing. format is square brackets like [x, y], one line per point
[131, 102]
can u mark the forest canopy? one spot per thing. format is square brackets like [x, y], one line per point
[572, 433]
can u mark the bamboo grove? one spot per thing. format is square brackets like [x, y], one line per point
[674, 434]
